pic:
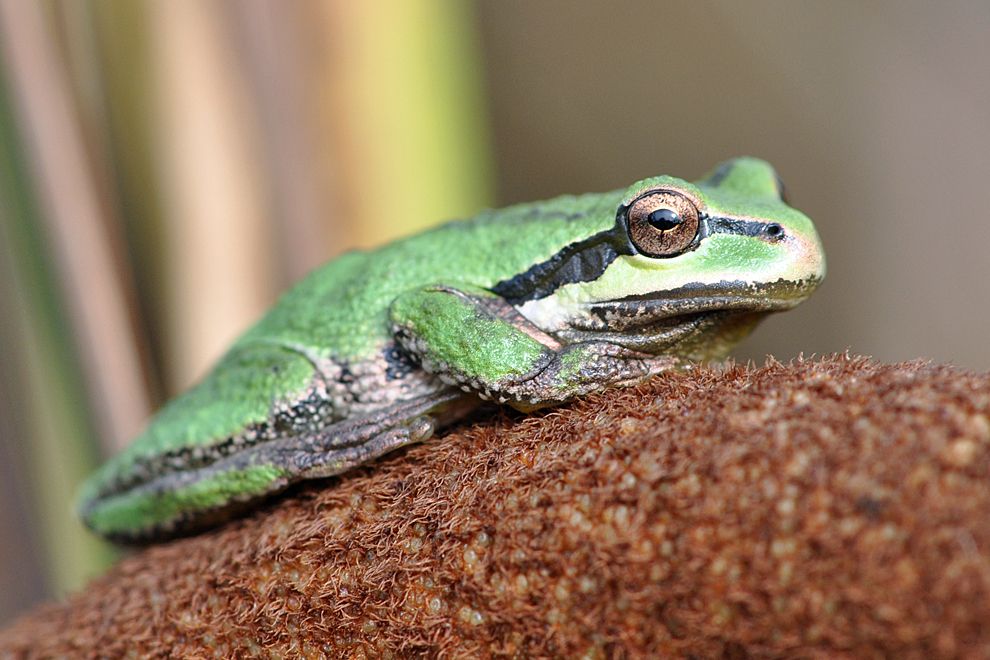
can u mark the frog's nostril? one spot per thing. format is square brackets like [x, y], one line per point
[774, 230]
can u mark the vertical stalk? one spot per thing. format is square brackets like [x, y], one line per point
[407, 107]
[57, 437]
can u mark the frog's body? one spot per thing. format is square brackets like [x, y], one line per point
[531, 306]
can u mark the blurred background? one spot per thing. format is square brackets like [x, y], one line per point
[168, 166]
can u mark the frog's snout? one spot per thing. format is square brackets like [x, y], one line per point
[806, 265]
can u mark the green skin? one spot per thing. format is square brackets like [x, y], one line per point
[530, 306]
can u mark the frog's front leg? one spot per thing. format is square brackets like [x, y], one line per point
[474, 339]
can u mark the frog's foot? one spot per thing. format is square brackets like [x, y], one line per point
[574, 371]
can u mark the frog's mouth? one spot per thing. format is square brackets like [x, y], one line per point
[659, 334]
[658, 324]
[623, 315]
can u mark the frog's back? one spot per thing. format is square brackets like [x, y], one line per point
[321, 353]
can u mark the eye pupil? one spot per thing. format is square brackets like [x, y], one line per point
[664, 219]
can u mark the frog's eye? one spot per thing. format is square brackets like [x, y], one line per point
[662, 223]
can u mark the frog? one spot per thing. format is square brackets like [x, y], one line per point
[530, 306]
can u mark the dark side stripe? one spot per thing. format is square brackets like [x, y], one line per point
[581, 261]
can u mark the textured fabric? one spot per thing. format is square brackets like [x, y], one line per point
[823, 509]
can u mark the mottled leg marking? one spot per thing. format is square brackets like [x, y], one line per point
[342, 459]
[354, 442]
[330, 451]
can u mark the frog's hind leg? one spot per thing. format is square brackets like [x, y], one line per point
[183, 501]
[355, 442]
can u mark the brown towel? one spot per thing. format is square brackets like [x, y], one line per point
[822, 509]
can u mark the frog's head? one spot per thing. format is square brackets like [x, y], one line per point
[688, 269]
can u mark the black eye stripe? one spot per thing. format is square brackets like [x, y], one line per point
[756, 228]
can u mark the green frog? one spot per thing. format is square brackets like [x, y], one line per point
[528, 306]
